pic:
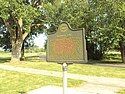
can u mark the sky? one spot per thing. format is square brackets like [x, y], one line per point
[40, 40]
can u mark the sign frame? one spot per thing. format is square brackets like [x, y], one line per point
[63, 28]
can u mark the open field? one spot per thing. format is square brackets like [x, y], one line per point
[16, 82]
[33, 60]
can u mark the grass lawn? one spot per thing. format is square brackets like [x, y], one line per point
[33, 60]
[122, 91]
[12, 82]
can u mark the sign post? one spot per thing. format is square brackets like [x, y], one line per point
[65, 68]
[66, 46]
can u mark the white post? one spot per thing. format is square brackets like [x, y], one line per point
[64, 66]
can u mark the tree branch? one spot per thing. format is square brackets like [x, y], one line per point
[17, 21]
[10, 29]
[37, 3]
[25, 35]
[26, 32]
[37, 24]
[7, 25]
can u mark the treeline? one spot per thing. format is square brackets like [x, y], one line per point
[103, 20]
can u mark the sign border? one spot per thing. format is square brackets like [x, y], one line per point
[85, 60]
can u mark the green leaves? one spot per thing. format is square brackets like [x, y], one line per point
[103, 20]
[4, 9]
[18, 9]
[22, 16]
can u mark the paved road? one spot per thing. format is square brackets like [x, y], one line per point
[95, 85]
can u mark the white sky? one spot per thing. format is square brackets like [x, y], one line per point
[40, 40]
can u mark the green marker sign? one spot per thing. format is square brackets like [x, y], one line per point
[67, 45]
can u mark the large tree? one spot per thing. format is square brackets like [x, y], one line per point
[79, 13]
[103, 20]
[20, 17]
[110, 24]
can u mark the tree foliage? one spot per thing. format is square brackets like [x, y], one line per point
[103, 20]
[20, 18]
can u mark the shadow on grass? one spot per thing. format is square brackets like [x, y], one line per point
[115, 64]
[35, 58]
[4, 60]
[27, 58]
[111, 62]
[105, 62]
[22, 92]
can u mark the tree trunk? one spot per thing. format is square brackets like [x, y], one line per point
[122, 49]
[123, 54]
[16, 50]
[17, 42]
[17, 37]
[22, 53]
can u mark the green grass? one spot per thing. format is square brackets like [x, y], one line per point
[4, 57]
[32, 60]
[122, 91]
[112, 57]
[16, 82]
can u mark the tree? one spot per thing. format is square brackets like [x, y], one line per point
[20, 18]
[104, 21]
[110, 21]
[78, 13]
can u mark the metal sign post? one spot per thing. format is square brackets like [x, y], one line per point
[65, 68]
[66, 45]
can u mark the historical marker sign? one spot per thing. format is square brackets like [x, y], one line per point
[67, 45]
